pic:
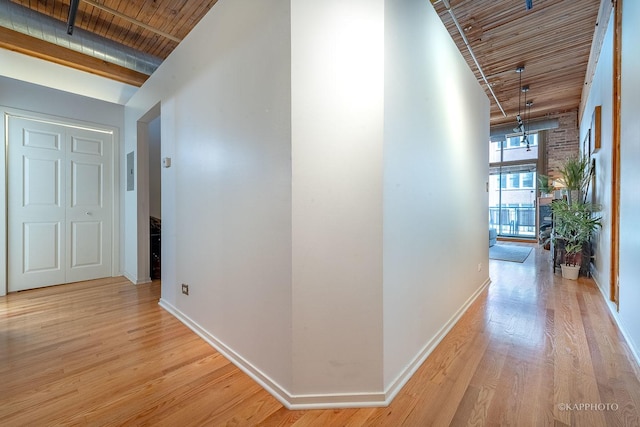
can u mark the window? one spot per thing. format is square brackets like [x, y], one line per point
[514, 180]
[527, 180]
[514, 141]
[512, 186]
[518, 141]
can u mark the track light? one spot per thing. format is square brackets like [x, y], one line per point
[519, 128]
[528, 105]
[523, 128]
[524, 89]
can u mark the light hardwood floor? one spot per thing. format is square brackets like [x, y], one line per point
[104, 353]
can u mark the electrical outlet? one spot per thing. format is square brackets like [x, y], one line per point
[479, 267]
[185, 289]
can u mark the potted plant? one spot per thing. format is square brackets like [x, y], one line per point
[573, 218]
[574, 225]
[576, 173]
[545, 185]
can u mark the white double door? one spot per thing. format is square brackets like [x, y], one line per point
[59, 203]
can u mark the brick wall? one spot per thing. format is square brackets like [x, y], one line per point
[562, 142]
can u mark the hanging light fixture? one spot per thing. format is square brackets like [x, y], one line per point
[527, 105]
[525, 140]
[520, 127]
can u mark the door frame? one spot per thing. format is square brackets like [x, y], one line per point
[5, 113]
[142, 196]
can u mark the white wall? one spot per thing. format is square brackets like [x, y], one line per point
[299, 208]
[275, 207]
[155, 176]
[630, 177]
[226, 123]
[47, 74]
[233, 183]
[15, 94]
[169, 291]
[601, 93]
[41, 99]
[337, 147]
[378, 92]
[435, 200]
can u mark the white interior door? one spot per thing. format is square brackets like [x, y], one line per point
[59, 204]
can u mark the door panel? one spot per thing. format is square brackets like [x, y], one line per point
[36, 212]
[59, 204]
[86, 246]
[86, 145]
[86, 185]
[41, 182]
[41, 247]
[88, 214]
[41, 138]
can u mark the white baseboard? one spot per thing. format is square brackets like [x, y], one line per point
[400, 381]
[328, 400]
[616, 317]
[134, 280]
[261, 378]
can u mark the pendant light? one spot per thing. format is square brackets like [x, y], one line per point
[528, 105]
[520, 127]
[525, 140]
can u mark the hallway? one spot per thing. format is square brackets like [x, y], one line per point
[534, 349]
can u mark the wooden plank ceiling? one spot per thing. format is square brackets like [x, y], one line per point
[155, 27]
[552, 40]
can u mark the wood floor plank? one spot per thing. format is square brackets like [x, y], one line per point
[545, 403]
[479, 395]
[105, 353]
[281, 417]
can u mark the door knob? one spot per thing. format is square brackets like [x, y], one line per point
[88, 213]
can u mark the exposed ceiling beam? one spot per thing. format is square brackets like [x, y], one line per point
[32, 46]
